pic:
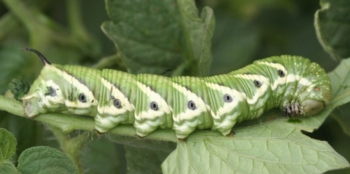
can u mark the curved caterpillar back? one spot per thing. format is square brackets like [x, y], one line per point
[294, 84]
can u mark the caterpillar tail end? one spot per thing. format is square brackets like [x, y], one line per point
[98, 133]
[31, 106]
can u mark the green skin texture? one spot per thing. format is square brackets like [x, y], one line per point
[181, 103]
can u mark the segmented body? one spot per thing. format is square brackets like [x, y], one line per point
[294, 84]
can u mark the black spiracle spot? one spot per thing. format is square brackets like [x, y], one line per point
[82, 97]
[257, 83]
[154, 106]
[281, 73]
[51, 91]
[191, 105]
[117, 103]
[227, 98]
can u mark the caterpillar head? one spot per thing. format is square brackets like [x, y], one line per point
[317, 95]
[318, 98]
[56, 90]
[314, 93]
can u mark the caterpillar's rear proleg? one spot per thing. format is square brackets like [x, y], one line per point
[181, 140]
[231, 134]
[139, 137]
[98, 133]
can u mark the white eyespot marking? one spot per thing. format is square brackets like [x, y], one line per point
[81, 89]
[277, 66]
[152, 96]
[111, 109]
[57, 99]
[188, 112]
[280, 80]
[228, 106]
[289, 78]
[260, 91]
[48, 101]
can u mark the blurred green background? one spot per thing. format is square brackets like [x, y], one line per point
[245, 30]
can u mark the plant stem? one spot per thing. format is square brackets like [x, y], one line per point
[68, 123]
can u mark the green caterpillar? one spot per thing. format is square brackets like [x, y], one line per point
[294, 84]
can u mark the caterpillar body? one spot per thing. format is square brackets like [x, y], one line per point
[294, 84]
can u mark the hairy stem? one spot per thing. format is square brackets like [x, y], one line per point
[68, 123]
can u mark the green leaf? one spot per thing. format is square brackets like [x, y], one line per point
[198, 33]
[43, 159]
[7, 168]
[154, 36]
[342, 117]
[8, 145]
[340, 83]
[332, 24]
[146, 34]
[341, 92]
[266, 148]
[27, 132]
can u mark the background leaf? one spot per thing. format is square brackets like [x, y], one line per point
[42, 159]
[156, 36]
[7, 145]
[341, 116]
[341, 92]
[341, 83]
[7, 168]
[332, 24]
[198, 33]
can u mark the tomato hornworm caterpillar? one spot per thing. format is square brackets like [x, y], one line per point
[294, 84]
